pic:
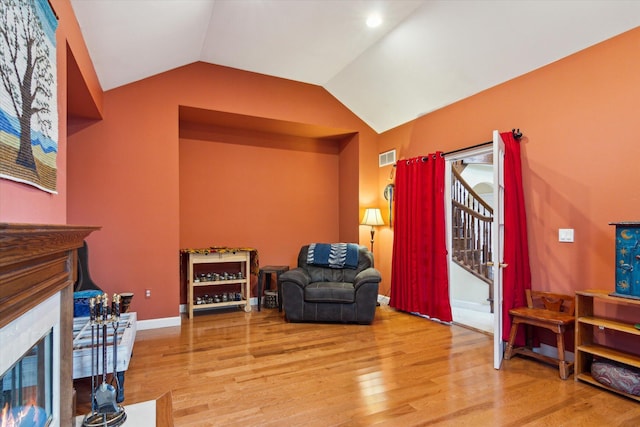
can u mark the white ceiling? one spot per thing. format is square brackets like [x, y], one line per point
[427, 53]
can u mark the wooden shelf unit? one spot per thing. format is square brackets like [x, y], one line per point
[586, 349]
[242, 261]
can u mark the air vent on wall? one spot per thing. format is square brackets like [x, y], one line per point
[387, 158]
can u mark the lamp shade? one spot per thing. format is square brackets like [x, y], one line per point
[372, 216]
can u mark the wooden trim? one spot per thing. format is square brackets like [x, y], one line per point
[471, 211]
[21, 242]
[36, 262]
[67, 403]
[164, 410]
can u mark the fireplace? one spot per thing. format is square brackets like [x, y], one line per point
[27, 387]
[37, 273]
[28, 375]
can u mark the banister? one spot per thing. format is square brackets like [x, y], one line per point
[473, 194]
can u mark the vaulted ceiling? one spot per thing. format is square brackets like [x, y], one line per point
[425, 55]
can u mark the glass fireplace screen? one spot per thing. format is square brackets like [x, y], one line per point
[26, 398]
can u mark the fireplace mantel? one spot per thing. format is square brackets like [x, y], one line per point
[36, 262]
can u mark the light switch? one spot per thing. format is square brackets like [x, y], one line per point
[565, 235]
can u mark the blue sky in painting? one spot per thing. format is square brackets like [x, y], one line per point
[10, 125]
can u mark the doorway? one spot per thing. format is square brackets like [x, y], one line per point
[469, 195]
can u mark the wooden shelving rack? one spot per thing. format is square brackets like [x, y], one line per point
[586, 349]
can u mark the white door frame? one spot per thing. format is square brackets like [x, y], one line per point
[449, 160]
[498, 246]
[497, 148]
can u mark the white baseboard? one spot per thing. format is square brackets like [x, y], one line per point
[253, 301]
[177, 321]
[551, 351]
[164, 322]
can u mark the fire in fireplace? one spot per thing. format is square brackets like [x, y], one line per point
[27, 387]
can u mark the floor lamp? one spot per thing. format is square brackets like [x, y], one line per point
[372, 217]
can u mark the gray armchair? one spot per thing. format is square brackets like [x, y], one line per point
[312, 293]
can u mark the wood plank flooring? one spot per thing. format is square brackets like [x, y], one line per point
[254, 369]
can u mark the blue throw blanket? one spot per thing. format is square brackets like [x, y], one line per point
[333, 255]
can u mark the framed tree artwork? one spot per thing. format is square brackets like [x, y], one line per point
[28, 93]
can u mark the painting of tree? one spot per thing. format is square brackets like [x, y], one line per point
[28, 107]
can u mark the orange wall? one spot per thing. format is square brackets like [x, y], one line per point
[270, 198]
[579, 155]
[128, 173]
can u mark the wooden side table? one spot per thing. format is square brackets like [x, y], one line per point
[266, 272]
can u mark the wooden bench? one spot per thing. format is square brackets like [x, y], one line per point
[548, 310]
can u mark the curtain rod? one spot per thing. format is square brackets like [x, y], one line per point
[468, 148]
[516, 134]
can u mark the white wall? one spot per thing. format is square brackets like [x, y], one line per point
[467, 290]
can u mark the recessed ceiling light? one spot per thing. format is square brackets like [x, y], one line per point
[374, 20]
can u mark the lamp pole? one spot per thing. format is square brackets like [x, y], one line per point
[373, 232]
[372, 217]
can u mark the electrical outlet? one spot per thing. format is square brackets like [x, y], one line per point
[147, 293]
[565, 235]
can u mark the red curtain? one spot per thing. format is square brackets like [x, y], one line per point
[419, 277]
[516, 277]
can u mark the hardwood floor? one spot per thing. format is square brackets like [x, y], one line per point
[255, 369]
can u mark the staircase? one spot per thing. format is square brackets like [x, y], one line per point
[472, 222]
